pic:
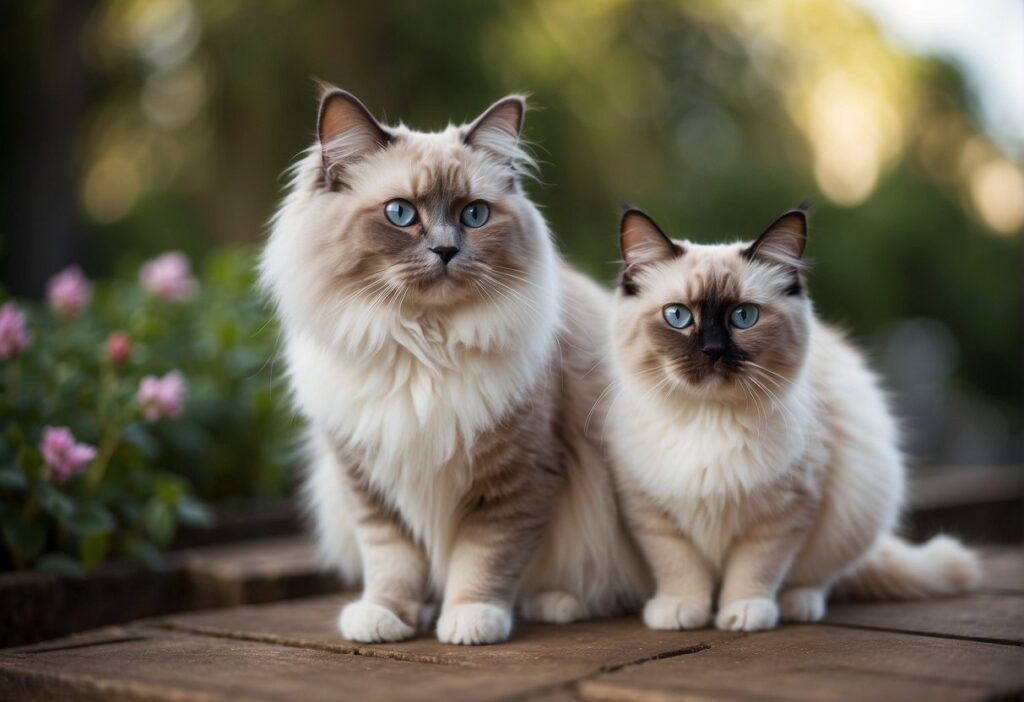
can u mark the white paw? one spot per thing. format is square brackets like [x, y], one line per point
[474, 623]
[749, 614]
[664, 612]
[367, 622]
[553, 607]
[802, 604]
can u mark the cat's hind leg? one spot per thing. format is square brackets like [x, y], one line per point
[552, 607]
[802, 604]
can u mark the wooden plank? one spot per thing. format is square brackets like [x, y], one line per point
[1003, 569]
[823, 663]
[593, 646]
[146, 664]
[995, 618]
[979, 503]
[39, 606]
[954, 486]
[995, 613]
[254, 572]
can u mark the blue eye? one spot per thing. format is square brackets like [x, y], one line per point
[475, 214]
[677, 316]
[400, 213]
[745, 316]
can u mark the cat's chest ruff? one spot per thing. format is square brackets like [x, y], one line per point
[419, 407]
[709, 456]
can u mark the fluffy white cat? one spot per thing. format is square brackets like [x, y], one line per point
[447, 389]
[754, 448]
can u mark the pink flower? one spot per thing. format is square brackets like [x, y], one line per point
[119, 348]
[14, 337]
[68, 292]
[169, 277]
[63, 454]
[161, 397]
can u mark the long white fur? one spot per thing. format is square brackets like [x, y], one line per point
[705, 460]
[413, 391]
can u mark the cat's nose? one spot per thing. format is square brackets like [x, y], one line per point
[713, 351]
[445, 253]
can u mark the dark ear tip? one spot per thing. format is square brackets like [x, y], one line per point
[801, 213]
[627, 214]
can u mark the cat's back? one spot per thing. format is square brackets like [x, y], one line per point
[848, 391]
[584, 338]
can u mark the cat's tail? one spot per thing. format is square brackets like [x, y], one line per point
[897, 570]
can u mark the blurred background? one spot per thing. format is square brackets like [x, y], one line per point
[132, 127]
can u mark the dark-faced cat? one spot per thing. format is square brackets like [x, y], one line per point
[755, 451]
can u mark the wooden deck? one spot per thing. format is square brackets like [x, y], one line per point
[967, 648]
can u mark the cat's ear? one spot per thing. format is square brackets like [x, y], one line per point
[642, 243]
[497, 129]
[783, 241]
[347, 131]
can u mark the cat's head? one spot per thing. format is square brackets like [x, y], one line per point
[724, 322]
[381, 217]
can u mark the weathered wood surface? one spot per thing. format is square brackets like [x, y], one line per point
[980, 504]
[39, 606]
[824, 663]
[966, 648]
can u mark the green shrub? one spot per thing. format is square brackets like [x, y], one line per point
[131, 404]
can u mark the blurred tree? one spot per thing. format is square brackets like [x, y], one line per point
[43, 67]
[713, 115]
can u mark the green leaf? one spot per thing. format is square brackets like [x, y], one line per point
[30, 460]
[93, 549]
[25, 538]
[91, 518]
[193, 512]
[12, 479]
[144, 552]
[160, 521]
[138, 435]
[54, 502]
[14, 435]
[59, 563]
[170, 489]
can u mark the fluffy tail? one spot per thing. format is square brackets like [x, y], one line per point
[897, 570]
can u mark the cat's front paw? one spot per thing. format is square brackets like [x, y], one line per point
[665, 612]
[474, 623]
[368, 622]
[748, 614]
[553, 607]
[802, 604]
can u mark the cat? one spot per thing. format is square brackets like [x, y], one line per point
[450, 367]
[752, 444]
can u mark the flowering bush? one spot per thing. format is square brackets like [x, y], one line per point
[127, 405]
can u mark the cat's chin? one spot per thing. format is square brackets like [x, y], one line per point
[725, 387]
[442, 290]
